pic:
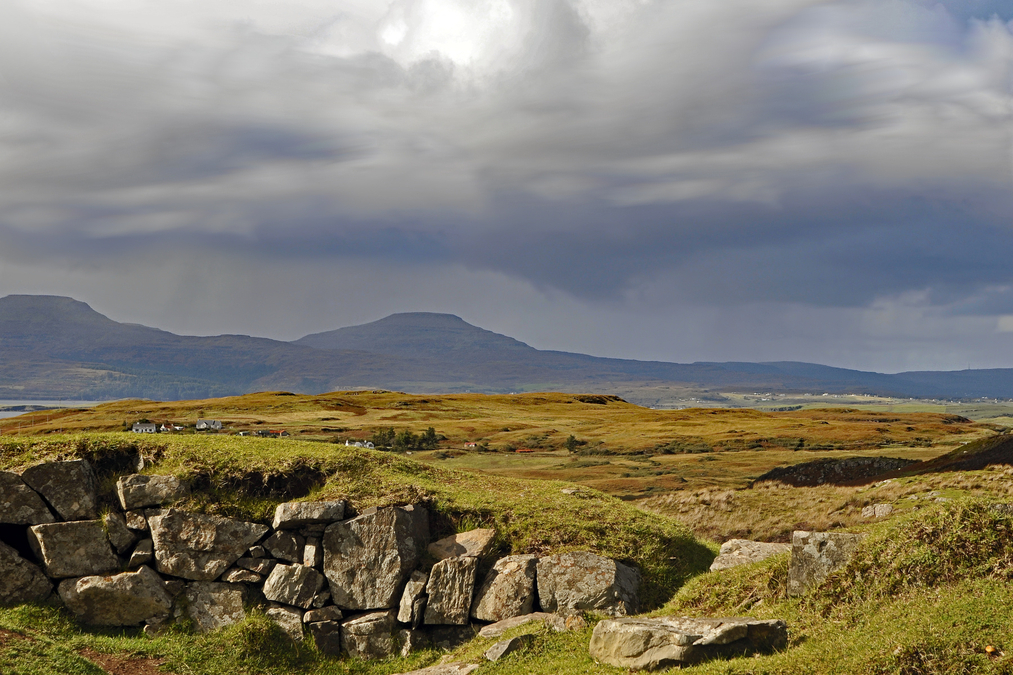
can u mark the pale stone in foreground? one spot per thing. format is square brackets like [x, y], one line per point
[292, 515]
[506, 647]
[370, 636]
[585, 581]
[200, 547]
[450, 587]
[75, 549]
[295, 585]
[413, 600]
[126, 599]
[508, 589]
[814, 555]
[735, 552]
[474, 543]
[214, 605]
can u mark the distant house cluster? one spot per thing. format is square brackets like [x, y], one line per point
[208, 425]
[169, 427]
[359, 444]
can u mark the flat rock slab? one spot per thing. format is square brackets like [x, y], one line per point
[445, 669]
[294, 585]
[368, 559]
[557, 622]
[571, 582]
[127, 599]
[69, 487]
[292, 515]
[20, 504]
[214, 605]
[507, 647]
[652, 644]
[200, 547]
[475, 543]
[138, 490]
[20, 580]
[508, 589]
[370, 636]
[450, 587]
[735, 552]
[814, 555]
[75, 549]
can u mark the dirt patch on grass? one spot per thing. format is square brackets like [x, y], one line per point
[8, 636]
[116, 664]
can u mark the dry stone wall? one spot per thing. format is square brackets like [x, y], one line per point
[367, 585]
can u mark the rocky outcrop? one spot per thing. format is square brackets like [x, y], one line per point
[127, 599]
[834, 471]
[585, 581]
[370, 636]
[508, 589]
[368, 559]
[138, 491]
[450, 587]
[293, 515]
[474, 543]
[814, 555]
[735, 552]
[20, 580]
[200, 547]
[20, 504]
[652, 644]
[75, 549]
[69, 487]
[214, 605]
[877, 510]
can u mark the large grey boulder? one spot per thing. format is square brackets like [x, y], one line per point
[814, 555]
[652, 644]
[450, 587]
[413, 600]
[295, 585]
[138, 490]
[474, 543]
[370, 636]
[74, 549]
[508, 589]
[214, 605]
[368, 559]
[285, 546]
[200, 547]
[293, 515]
[735, 552]
[20, 580]
[20, 504]
[585, 581]
[126, 599]
[69, 487]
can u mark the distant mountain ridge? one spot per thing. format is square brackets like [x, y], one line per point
[58, 347]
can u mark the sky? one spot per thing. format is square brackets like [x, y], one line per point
[680, 180]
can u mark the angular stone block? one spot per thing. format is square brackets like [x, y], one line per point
[285, 546]
[413, 600]
[585, 581]
[474, 543]
[214, 605]
[653, 644]
[136, 520]
[290, 621]
[368, 559]
[295, 585]
[735, 552]
[313, 553]
[138, 490]
[814, 555]
[75, 549]
[293, 515]
[507, 647]
[20, 504]
[200, 547]
[370, 636]
[450, 587]
[20, 580]
[119, 535]
[143, 553]
[69, 487]
[330, 613]
[327, 637]
[508, 589]
[126, 599]
[241, 576]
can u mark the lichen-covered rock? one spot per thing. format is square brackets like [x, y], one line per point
[735, 552]
[138, 490]
[370, 636]
[69, 487]
[652, 644]
[20, 580]
[285, 546]
[413, 600]
[474, 543]
[293, 515]
[877, 510]
[143, 553]
[135, 520]
[814, 555]
[585, 581]
[295, 585]
[214, 605]
[119, 535]
[126, 599]
[450, 587]
[75, 549]
[200, 547]
[327, 637]
[508, 589]
[20, 504]
[368, 559]
[289, 620]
